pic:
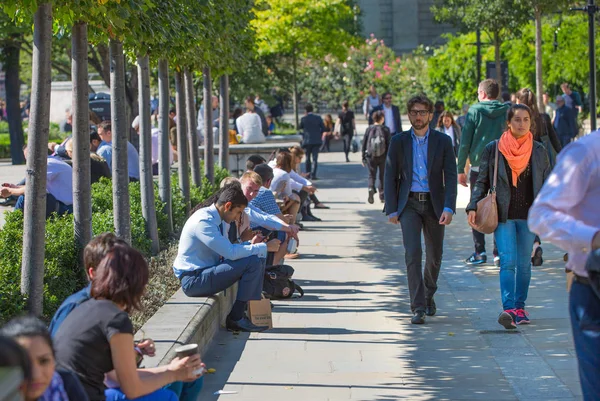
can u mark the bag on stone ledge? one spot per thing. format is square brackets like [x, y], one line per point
[278, 283]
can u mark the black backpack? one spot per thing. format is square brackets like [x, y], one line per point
[278, 283]
[376, 145]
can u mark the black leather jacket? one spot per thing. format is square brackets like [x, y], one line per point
[540, 169]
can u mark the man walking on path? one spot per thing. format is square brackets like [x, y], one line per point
[313, 127]
[564, 121]
[420, 193]
[485, 122]
[391, 112]
[566, 214]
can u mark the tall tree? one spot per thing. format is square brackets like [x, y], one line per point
[302, 28]
[224, 122]
[498, 18]
[191, 127]
[209, 139]
[32, 276]
[182, 149]
[164, 168]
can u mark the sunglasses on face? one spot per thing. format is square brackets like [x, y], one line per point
[421, 113]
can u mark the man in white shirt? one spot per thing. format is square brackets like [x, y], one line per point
[215, 120]
[59, 188]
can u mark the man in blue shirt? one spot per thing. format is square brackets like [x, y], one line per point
[207, 262]
[420, 193]
[105, 150]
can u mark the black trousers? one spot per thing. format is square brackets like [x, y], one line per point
[312, 153]
[347, 139]
[375, 164]
[420, 217]
[479, 238]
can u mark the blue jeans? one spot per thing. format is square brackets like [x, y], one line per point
[52, 205]
[514, 241]
[115, 394]
[187, 391]
[584, 307]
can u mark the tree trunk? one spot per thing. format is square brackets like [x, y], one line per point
[82, 192]
[182, 149]
[12, 51]
[209, 139]
[120, 133]
[34, 226]
[192, 135]
[164, 165]
[539, 78]
[224, 122]
[498, 61]
[146, 180]
[295, 90]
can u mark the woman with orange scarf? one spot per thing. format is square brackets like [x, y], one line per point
[523, 166]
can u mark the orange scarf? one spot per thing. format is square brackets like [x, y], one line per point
[517, 152]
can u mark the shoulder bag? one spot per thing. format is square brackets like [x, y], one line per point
[487, 208]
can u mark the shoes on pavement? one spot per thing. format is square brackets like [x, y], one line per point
[507, 319]
[292, 256]
[522, 317]
[430, 309]
[8, 202]
[243, 325]
[308, 217]
[497, 261]
[371, 193]
[418, 318]
[321, 206]
[382, 199]
[476, 259]
[537, 259]
[347, 159]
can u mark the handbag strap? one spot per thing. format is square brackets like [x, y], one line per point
[495, 169]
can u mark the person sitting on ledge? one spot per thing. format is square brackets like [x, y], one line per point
[207, 262]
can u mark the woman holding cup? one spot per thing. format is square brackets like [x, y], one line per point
[96, 339]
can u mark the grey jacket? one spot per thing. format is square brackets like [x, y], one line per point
[312, 129]
[540, 169]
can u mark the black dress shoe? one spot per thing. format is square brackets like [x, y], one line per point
[418, 318]
[430, 309]
[308, 217]
[243, 325]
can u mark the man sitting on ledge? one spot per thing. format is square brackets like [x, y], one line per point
[207, 262]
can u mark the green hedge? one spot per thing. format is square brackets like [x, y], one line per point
[54, 135]
[63, 276]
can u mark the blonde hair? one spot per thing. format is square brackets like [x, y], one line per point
[227, 181]
[251, 176]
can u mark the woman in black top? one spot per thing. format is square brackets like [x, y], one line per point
[523, 166]
[347, 125]
[328, 133]
[97, 337]
[45, 381]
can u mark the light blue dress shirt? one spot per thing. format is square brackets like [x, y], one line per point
[260, 219]
[202, 243]
[133, 159]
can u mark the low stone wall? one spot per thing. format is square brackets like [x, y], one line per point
[184, 320]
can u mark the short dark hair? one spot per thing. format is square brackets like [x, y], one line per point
[105, 125]
[308, 108]
[385, 94]
[12, 355]
[233, 194]
[378, 116]
[250, 99]
[254, 161]
[121, 277]
[419, 99]
[490, 87]
[513, 109]
[94, 136]
[173, 111]
[98, 247]
[265, 172]
[27, 326]
[506, 96]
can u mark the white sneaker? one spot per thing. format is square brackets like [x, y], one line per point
[497, 260]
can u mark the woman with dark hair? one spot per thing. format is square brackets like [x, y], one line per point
[235, 115]
[45, 382]
[448, 126]
[96, 339]
[544, 133]
[328, 133]
[281, 184]
[347, 124]
[522, 168]
[12, 355]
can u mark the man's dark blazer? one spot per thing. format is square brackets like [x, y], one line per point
[441, 172]
[395, 112]
[312, 127]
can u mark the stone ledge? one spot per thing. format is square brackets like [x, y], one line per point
[184, 320]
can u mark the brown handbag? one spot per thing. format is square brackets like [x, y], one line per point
[486, 220]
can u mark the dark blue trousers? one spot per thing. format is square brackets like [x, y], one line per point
[584, 307]
[52, 205]
[206, 282]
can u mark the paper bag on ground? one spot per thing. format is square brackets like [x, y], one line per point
[260, 313]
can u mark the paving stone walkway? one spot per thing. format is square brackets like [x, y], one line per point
[350, 337]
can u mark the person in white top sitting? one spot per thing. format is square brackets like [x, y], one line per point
[249, 124]
[281, 185]
[59, 188]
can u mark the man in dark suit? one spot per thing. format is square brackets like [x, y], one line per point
[420, 192]
[564, 122]
[312, 127]
[391, 114]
